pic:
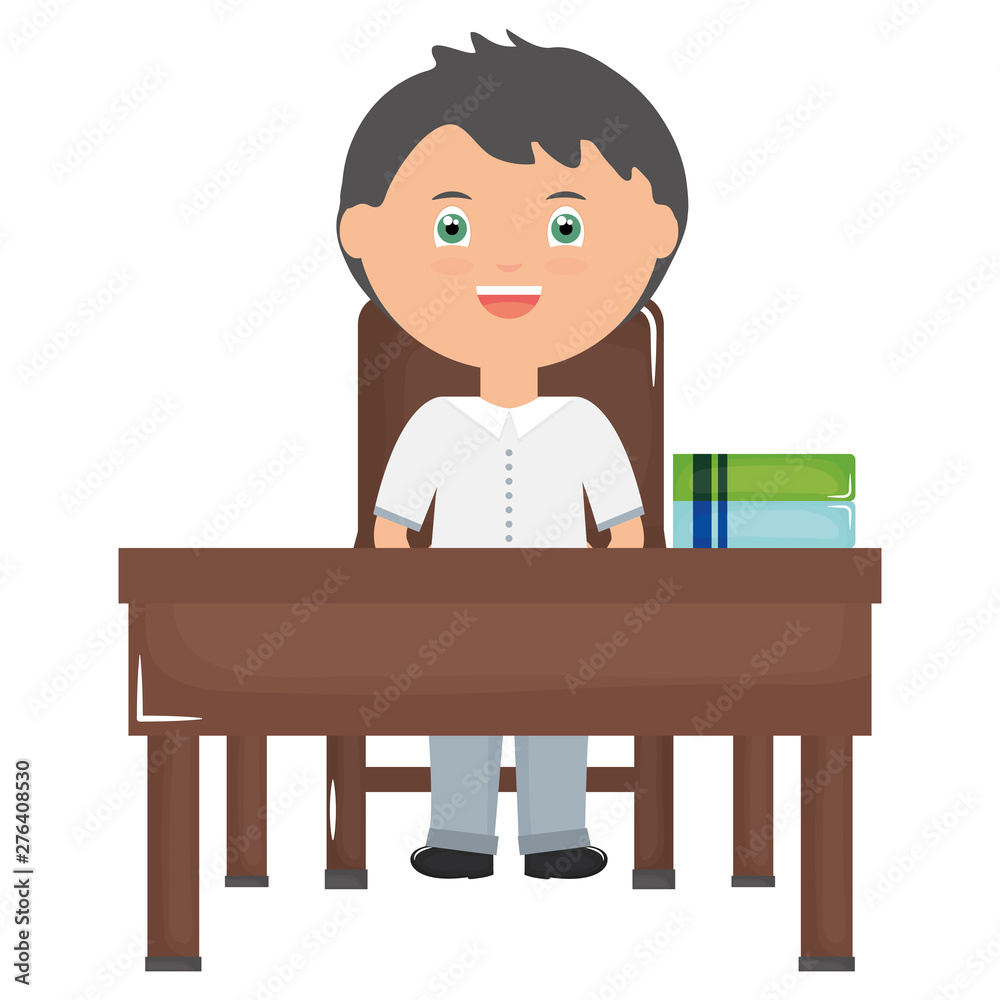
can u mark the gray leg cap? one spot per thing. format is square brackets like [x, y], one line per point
[753, 880]
[653, 878]
[346, 878]
[823, 963]
[246, 880]
[172, 963]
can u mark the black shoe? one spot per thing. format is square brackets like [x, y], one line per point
[574, 862]
[440, 862]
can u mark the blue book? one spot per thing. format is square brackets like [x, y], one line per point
[770, 524]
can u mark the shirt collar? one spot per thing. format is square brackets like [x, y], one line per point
[525, 417]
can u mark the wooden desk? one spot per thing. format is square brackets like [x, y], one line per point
[355, 642]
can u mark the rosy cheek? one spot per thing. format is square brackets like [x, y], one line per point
[452, 265]
[566, 265]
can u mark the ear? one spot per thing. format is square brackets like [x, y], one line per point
[355, 229]
[664, 230]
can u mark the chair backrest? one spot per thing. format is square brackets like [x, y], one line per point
[622, 374]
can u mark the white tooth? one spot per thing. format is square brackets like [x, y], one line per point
[508, 289]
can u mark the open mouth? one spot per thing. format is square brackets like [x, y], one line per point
[509, 301]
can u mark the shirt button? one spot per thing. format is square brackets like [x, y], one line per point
[508, 466]
[510, 538]
[509, 452]
[510, 524]
[508, 509]
[508, 495]
[508, 481]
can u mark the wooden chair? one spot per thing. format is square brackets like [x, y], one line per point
[623, 375]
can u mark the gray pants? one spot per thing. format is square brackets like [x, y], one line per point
[551, 792]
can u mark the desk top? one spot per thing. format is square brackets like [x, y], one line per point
[500, 576]
[306, 641]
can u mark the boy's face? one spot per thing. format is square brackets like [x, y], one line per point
[520, 272]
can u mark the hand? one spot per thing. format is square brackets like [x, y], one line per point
[627, 535]
[390, 535]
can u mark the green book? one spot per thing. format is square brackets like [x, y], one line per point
[764, 477]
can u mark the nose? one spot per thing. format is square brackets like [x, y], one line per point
[508, 267]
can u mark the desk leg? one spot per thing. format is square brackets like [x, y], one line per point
[654, 813]
[827, 854]
[753, 810]
[345, 846]
[246, 810]
[172, 854]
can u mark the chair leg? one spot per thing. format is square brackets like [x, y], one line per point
[753, 811]
[654, 813]
[345, 843]
[246, 810]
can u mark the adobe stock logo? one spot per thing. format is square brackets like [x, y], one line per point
[369, 30]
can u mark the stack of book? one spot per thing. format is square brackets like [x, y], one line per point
[764, 501]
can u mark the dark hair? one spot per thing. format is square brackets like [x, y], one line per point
[506, 97]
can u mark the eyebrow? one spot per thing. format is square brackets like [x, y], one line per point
[566, 194]
[450, 194]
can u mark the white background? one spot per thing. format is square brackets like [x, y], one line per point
[820, 378]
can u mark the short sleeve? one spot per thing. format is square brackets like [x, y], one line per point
[607, 472]
[409, 481]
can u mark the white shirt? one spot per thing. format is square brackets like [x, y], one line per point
[508, 478]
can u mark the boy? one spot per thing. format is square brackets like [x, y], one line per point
[490, 206]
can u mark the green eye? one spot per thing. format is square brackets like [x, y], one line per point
[451, 228]
[565, 228]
